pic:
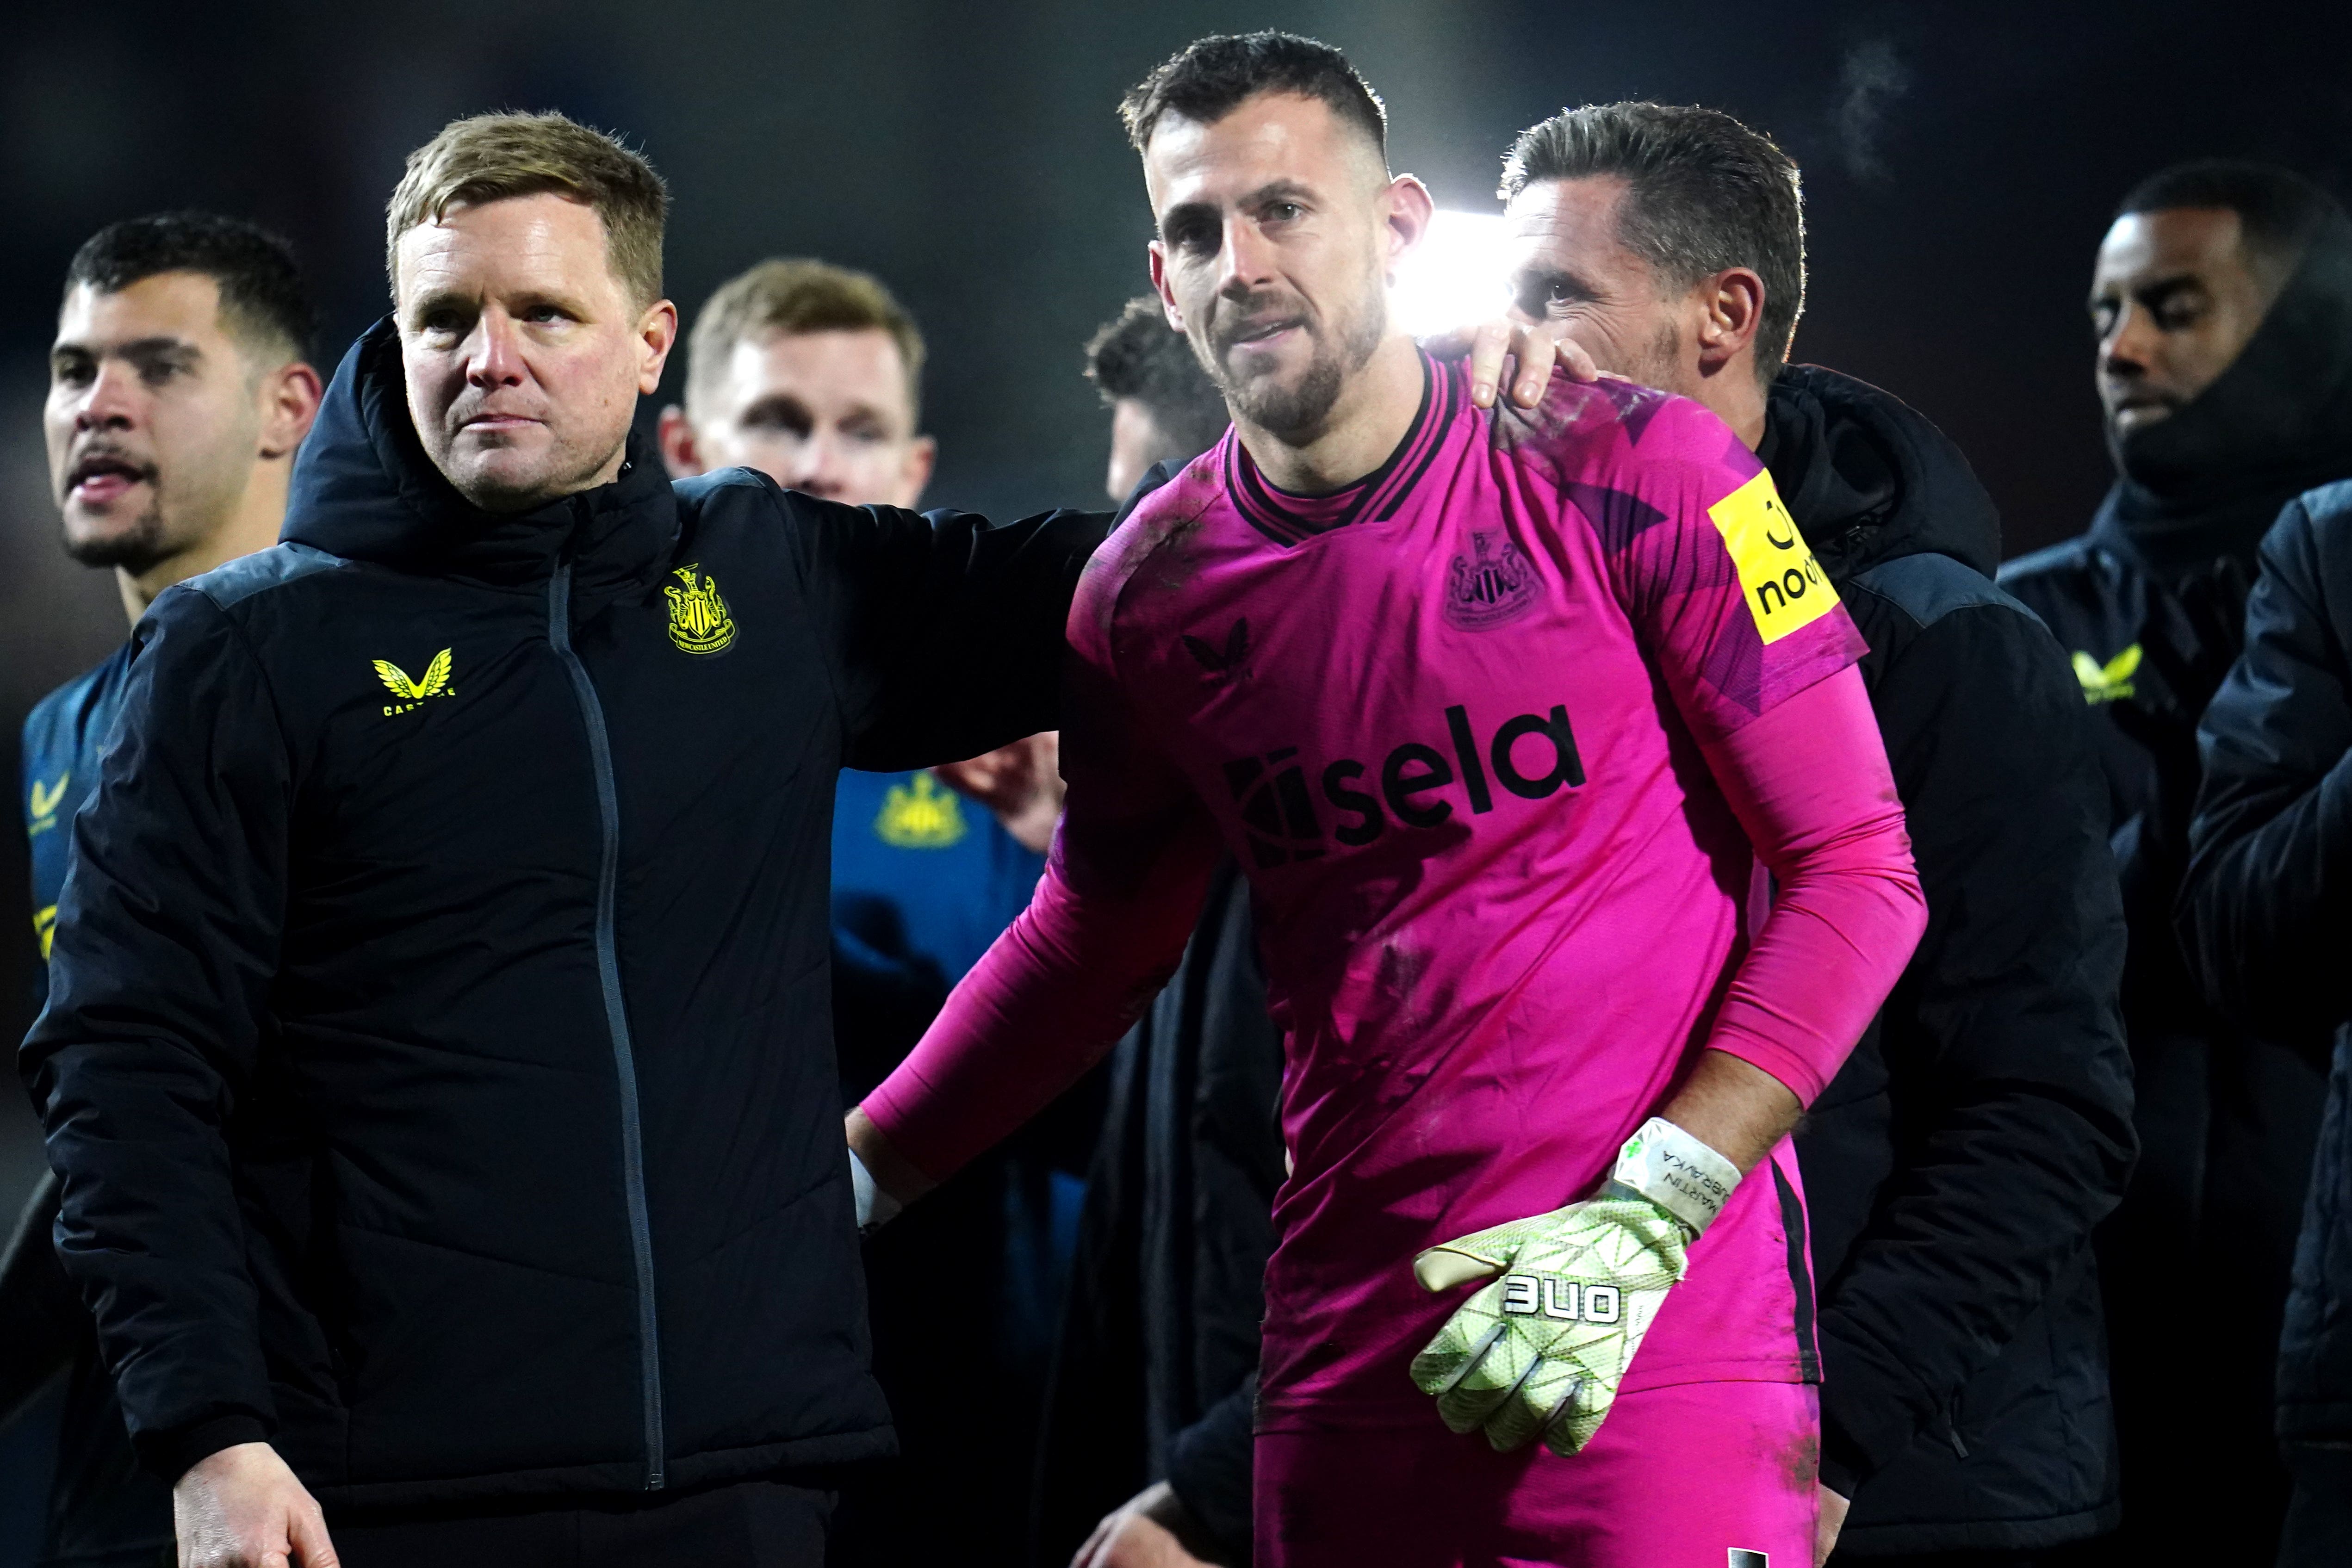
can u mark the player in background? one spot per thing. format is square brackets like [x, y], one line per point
[1983, 1126]
[812, 373]
[1500, 711]
[179, 388]
[1163, 407]
[2220, 307]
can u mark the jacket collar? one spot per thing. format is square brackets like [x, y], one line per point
[1868, 478]
[363, 489]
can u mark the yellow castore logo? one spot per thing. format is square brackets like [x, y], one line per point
[435, 683]
[43, 804]
[45, 927]
[2110, 681]
[1785, 586]
[698, 621]
[920, 815]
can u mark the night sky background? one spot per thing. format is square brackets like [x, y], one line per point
[1960, 164]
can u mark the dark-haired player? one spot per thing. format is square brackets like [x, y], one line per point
[1499, 713]
[179, 388]
[1163, 406]
[2221, 305]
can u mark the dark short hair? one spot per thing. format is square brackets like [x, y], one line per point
[2280, 213]
[1210, 78]
[262, 297]
[1137, 354]
[1703, 193]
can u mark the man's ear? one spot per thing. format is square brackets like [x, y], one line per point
[1733, 312]
[1406, 208]
[289, 406]
[676, 438]
[1159, 285]
[657, 334]
[922, 455]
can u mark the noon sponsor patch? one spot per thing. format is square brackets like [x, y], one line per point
[1785, 586]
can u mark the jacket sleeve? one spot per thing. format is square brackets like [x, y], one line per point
[1208, 1468]
[2011, 1085]
[1122, 889]
[166, 945]
[40, 1317]
[945, 631]
[2269, 892]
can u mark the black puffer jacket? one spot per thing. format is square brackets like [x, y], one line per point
[1956, 1166]
[438, 1063]
[2267, 910]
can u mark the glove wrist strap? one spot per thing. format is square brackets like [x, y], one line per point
[1677, 1173]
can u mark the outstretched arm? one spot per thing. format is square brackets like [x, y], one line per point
[1121, 892]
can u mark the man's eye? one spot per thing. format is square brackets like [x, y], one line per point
[2103, 320]
[1284, 212]
[543, 313]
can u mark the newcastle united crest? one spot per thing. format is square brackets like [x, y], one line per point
[698, 621]
[1496, 583]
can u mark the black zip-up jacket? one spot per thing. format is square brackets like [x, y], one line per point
[2228, 1118]
[2267, 909]
[438, 1057]
[1957, 1165]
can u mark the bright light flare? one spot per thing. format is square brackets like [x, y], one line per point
[1454, 277]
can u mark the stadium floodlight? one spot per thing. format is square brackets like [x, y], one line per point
[1455, 277]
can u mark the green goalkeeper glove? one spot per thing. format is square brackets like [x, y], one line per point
[1539, 1352]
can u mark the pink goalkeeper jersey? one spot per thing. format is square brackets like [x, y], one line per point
[1450, 720]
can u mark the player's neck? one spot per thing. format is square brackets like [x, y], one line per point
[260, 513]
[1375, 408]
[1733, 395]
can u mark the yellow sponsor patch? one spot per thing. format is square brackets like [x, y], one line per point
[1783, 584]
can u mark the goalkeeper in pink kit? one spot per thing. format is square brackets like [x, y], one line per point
[1578, 866]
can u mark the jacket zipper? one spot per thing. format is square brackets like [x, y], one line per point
[617, 1020]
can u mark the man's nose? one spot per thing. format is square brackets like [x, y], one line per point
[817, 467]
[494, 351]
[113, 400]
[2129, 348]
[1248, 256]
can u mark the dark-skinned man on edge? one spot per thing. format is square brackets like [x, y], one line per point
[2221, 299]
[437, 1059]
[1956, 1166]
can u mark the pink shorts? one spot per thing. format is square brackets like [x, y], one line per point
[1684, 1476]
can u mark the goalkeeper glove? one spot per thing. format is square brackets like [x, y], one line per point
[1539, 1351]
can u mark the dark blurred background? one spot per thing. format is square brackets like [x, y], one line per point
[1960, 161]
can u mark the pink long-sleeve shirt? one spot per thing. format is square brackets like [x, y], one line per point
[1500, 736]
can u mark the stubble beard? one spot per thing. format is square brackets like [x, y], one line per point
[136, 550]
[1298, 413]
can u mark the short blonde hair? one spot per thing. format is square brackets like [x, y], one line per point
[791, 295]
[489, 157]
